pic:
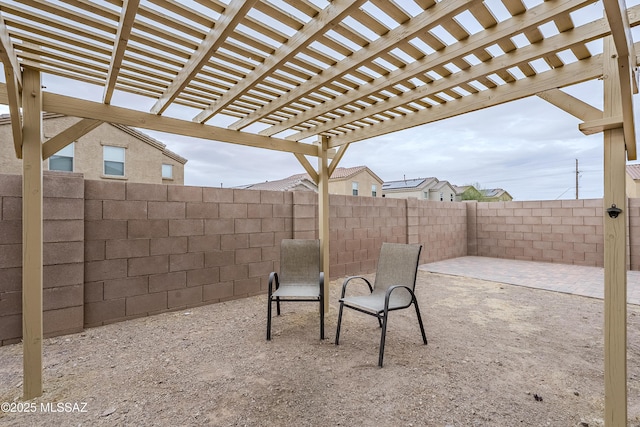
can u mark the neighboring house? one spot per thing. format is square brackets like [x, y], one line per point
[633, 180]
[468, 192]
[354, 181]
[109, 152]
[495, 195]
[421, 188]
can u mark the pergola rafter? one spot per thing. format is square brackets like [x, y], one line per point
[284, 72]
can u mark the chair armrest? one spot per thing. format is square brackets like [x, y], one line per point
[393, 288]
[348, 279]
[273, 277]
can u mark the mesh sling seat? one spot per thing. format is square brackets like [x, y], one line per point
[300, 278]
[393, 288]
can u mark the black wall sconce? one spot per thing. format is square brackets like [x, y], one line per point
[614, 211]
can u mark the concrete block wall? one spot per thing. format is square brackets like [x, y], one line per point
[565, 231]
[153, 248]
[441, 228]
[63, 255]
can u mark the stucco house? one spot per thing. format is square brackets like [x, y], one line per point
[633, 180]
[353, 181]
[108, 152]
[495, 195]
[421, 188]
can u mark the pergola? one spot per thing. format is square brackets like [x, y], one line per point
[310, 77]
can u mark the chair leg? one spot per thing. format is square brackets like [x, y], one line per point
[424, 337]
[321, 318]
[269, 318]
[339, 323]
[278, 305]
[382, 336]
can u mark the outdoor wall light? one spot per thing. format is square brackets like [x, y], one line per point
[614, 211]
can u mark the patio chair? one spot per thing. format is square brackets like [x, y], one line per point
[300, 278]
[393, 288]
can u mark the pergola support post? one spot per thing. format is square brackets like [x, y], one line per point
[323, 213]
[32, 233]
[615, 250]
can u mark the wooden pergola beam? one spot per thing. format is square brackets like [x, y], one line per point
[231, 17]
[129, 11]
[544, 13]
[327, 18]
[32, 237]
[67, 136]
[421, 23]
[13, 77]
[616, 12]
[55, 103]
[587, 69]
[571, 105]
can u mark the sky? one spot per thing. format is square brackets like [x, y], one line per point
[527, 147]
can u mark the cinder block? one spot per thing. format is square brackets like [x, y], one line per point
[167, 210]
[10, 303]
[165, 282]
[130, 286]
[94, 250]
[11, 208]
[246, 287]
[203, 276]
[271, 197]
[11, 185]
[63, 253]
[148, 265]
[203, 243]
[103, 311]
[10, 256]
[146, 192]
[93, 210]
[217, 195]
[183, 193]
[147, 229]
[63, 321]
[260, 269]
[142, 304]
[218, 226]
[247, 225]
[63, 185]
[62, 297]
[129, 209]
[63, 275]
[233, 210]
[126, 248]
[103, 270]
[104, 230]
[188, 261]
[202, 210]
[10, 326]
[249, 255]
[93, 291]
[104, 190]
[234, 272]
[230, 242]
[184, 297]
[219, 258]
[10, 232]
[62, 231]
[186, 227]
[217, 291]
[10, 280]
[168, 245]
[62, 208]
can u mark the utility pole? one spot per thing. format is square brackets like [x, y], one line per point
[577, 173]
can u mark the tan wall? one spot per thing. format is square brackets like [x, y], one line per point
[364, 180]
[416, 194]
[143, 162]
[115, 250]
[632, 187]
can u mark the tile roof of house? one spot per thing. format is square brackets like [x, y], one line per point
[493, 192]
[634, 171]
[404, 184]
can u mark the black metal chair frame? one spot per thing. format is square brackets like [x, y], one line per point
[273, 278]
[381, 315]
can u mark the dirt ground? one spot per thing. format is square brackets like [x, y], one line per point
[498, 355]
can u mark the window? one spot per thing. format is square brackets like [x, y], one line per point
[167, 171]
[441, 197]
[426, 195]
[374, 190]
[354, 188]
[62, 160]
[113, 160]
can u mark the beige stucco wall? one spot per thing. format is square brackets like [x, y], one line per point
[364, 180]
[632, 187]
[143, 162]
[418, 194]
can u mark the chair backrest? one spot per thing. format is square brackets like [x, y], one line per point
[299, 262]
[397, 265]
